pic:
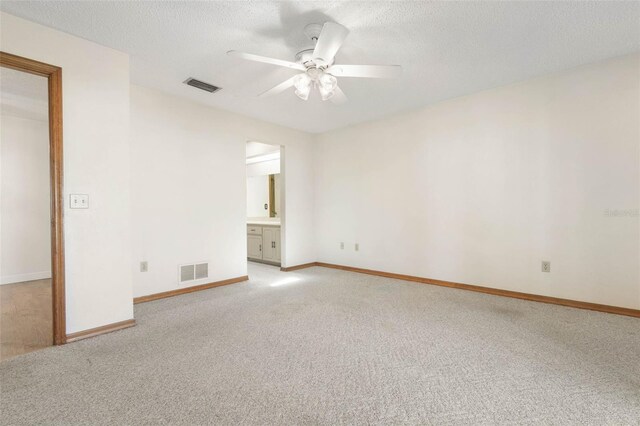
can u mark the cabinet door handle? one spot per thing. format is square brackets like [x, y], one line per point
[260, 247]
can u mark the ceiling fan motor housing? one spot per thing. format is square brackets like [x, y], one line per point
[313, 31]
[305, 57]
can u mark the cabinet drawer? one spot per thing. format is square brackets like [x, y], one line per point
[254, 230]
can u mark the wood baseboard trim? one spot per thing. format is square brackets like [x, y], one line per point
[171, 293]
[93, 332]
[494, 291]
[296, 267]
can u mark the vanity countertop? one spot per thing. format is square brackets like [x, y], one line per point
[265, 221]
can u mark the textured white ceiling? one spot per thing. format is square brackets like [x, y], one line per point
[447, 49]
[23, 95]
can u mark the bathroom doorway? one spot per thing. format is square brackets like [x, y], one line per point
[264, 203]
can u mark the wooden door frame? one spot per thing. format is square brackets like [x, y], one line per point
[54, 77]
[272, 196]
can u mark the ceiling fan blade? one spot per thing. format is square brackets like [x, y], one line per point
[278, 88]
[272, 61]
[329, 41]
[338, 97]
[366, 71]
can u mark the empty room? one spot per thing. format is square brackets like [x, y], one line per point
[319, 212]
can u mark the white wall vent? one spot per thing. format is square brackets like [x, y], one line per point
[187, 273]
[193, 271]
[202, 270]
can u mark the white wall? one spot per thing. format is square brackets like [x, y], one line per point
[25, 233]
[481, 189]
[95, 83]
[257, 196]
[189, 189]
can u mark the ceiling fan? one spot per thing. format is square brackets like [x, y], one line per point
[317, 65]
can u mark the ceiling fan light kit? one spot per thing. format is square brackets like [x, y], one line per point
[314, 77]
[317, 65]
[302, 83]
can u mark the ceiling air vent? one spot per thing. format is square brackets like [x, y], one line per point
[201, 85]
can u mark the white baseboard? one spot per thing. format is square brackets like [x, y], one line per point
[18, 278]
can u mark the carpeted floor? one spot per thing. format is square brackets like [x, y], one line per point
[322, 346]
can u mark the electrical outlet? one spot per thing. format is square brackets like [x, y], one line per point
[79, 201]
[144, 266]
[357, 247]
[546, 266]
[341, 246]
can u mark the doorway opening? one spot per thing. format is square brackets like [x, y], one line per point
[32, 297]
[265, 206]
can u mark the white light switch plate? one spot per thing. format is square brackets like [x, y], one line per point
[79, 201]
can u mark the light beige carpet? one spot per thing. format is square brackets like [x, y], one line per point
[322, 346]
